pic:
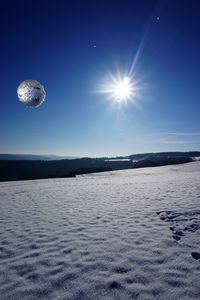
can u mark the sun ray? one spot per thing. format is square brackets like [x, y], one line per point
[120, 88]
[123, 89]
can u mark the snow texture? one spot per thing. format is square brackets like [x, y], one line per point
[131, 234]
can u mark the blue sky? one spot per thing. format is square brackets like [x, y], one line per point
[71, 47]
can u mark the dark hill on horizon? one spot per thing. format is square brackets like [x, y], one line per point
[165, 154]
[46, 157]
[39, 169]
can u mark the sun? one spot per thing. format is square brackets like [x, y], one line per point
[123, 89]
[120, 88]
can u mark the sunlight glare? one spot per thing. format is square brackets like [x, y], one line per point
[123, 90]
[120, 88]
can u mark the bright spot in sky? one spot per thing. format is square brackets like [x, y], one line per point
[120, 89]
[123, 90]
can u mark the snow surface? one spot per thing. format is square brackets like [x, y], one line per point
[131, 234]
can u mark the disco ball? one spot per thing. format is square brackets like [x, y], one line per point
[31, 93]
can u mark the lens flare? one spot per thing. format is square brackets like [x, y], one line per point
[123, 89]
[120, 88]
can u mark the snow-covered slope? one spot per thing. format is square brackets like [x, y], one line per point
[131, 234]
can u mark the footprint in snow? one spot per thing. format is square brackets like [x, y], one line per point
[195, 255]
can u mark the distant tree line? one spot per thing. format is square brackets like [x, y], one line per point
[40, 169]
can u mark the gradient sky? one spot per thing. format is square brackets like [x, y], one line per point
[71, 46]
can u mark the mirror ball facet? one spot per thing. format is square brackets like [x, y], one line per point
[31, 93]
